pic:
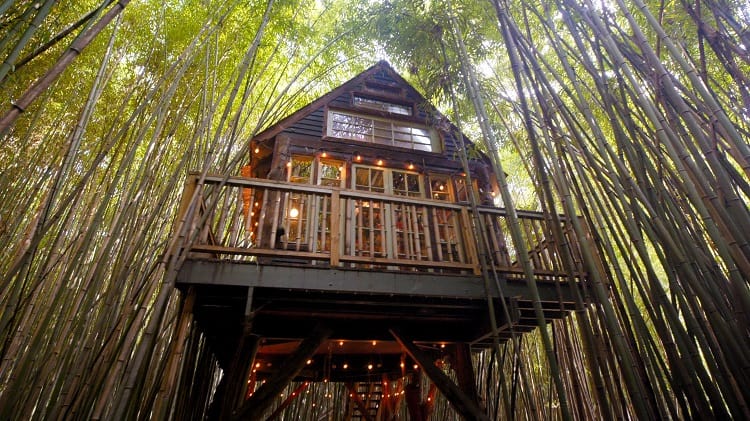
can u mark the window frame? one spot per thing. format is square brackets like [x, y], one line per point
[383, 131]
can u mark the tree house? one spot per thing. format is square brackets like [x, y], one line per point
[352, 249]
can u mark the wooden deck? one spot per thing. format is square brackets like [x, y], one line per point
[361, 263]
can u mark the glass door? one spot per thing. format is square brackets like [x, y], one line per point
[410, 240]
[295, 233]
[330, 173]
[368, 235]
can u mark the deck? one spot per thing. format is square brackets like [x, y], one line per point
[362, 263]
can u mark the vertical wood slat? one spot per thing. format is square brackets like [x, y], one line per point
[471, 249]
[261, 218]
[425, 227]
[335, 227]
[439, 240]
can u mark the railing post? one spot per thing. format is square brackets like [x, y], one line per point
[471, 242]
[187, 196]
[335, 227]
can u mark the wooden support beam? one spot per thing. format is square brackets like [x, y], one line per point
[239, 370]
[254, 407]
[460, 401]
[289, 399]
[465, 372]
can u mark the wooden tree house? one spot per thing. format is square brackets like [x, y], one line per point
[349, 251]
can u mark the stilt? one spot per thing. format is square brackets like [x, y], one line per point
[254, 407]
[239, 371]
[460, 401]
[465, 372]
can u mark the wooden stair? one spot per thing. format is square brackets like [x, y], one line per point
[364, 401]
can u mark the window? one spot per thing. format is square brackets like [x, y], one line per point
[331, 173]
[406, 184]
[376, 104]
[300, 170]
[362, 128]
[440, 187]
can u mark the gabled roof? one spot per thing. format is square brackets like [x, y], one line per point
[345, 87]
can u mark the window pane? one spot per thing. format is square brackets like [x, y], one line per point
[376, 181]
[375, 104]
[301, 170]
[330, 173]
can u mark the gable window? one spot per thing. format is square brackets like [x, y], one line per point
[376, 104]
[381, 131]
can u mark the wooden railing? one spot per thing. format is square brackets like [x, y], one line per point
[278, 222]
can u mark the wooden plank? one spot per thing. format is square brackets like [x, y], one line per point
[256, 251]
[470, 243]
[462, 403]
[402, 262]
[335, 228]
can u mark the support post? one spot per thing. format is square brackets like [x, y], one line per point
[239, 370]
[254, 407]
[465, 372]
[335, 228]
[461, 403]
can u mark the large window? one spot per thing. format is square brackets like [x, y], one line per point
[363, 128]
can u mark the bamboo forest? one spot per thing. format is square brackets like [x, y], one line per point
[374, 209]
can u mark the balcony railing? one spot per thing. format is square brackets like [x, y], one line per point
[277, 222]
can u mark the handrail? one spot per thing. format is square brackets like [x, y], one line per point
[282, 222]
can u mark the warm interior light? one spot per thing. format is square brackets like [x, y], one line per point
[416, 366]
[441, 187]
[346, 366]
[341, 343]
[324, 154]
[309, 362]
[293, 212]
[289, 164]
[410, 166]
[374, 343]
[358, 157]
[379, 162]
[369, 366]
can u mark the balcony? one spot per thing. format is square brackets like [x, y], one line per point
[279, 223]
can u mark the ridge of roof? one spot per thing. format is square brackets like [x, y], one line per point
[292, 118]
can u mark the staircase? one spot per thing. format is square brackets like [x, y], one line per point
[364, 401]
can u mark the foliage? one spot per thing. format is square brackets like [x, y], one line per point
[630, 113]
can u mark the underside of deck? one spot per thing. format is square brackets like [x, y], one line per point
[361, 308]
